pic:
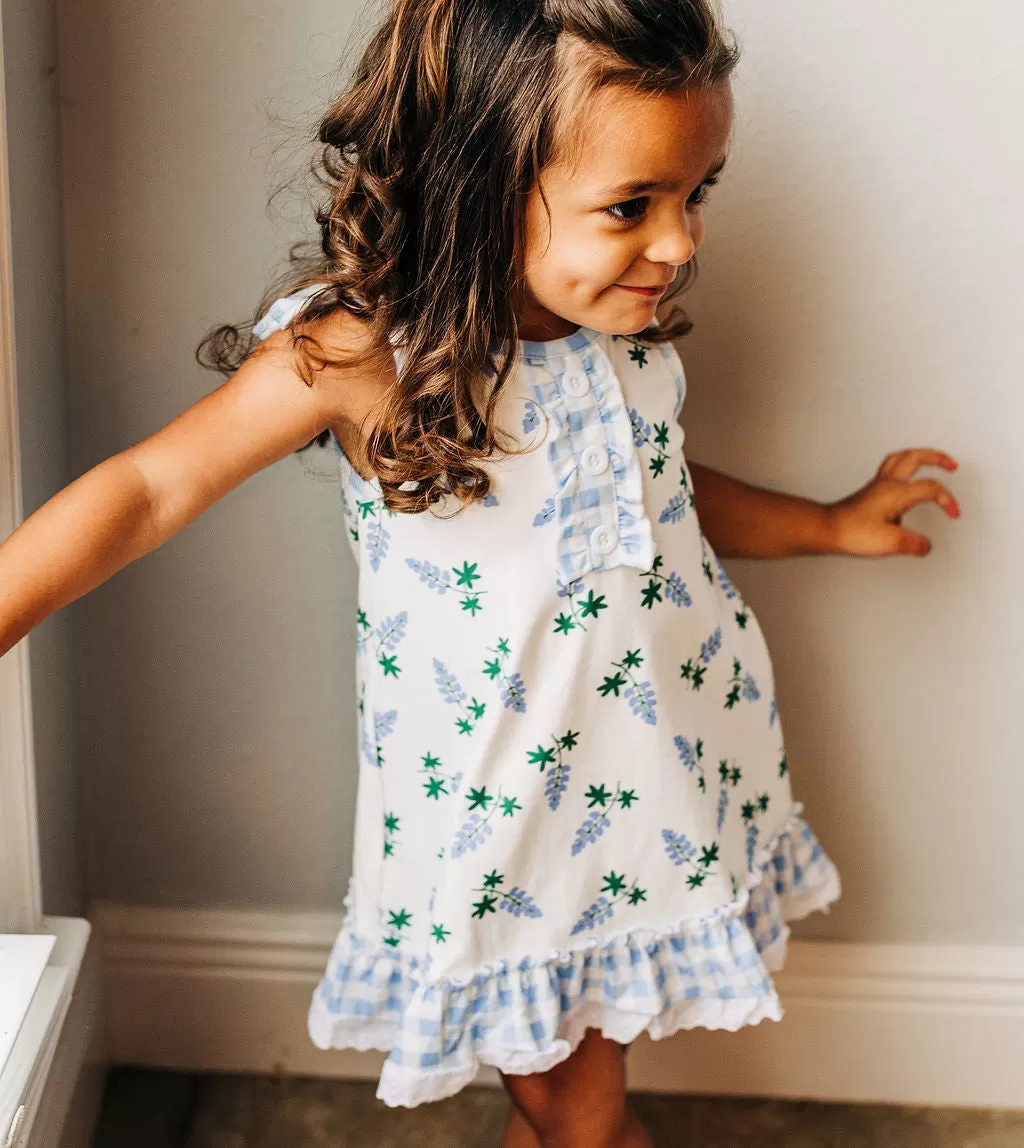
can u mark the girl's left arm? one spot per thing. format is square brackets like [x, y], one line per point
[744, 521]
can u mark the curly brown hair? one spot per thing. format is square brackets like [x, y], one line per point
[428, 157]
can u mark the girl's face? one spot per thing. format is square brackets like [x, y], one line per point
[628, 216]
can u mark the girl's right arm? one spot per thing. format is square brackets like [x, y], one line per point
[136, 500]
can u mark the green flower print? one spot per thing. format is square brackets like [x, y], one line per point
[383, 640]
[483, 806]
[729, 776]
[440, 580]
[614, 891]
[741, 685]
[390, 834]
[553, 755]
[396, 922]
[742, 615]
[638, 351]
[496, 896]
[437, 781]
[671, 585]
[511, 687]
[677, 506]
[453, 693]
[656, 440]
[692, 671]
[750, 811]
[640, 695]
[579, 608]
[681, 851]
[602, 804]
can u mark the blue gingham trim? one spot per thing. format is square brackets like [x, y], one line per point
[612, 501]
[282, 311]
[710, 972]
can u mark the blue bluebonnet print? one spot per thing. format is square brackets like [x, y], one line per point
[690, 755]
[474, 831]
[671, 585]
[640, 695]
[546, 514]
[514, 900]
[772, 712]
[677, 506]
[382, 640]
[477, 828]
[614, 891]
[377, 540]
[741, 685]
[490, 500]
[440, 580]
[728, 776]
[454, 694]
[579, 607]
[511, 687]
[750, 812]
[350, 513]
[438, 779]
[656, 441]
[694, 669]
[741, 615]
[601, 804]
[383, 726]
[675, 510]
[436, 578]
[532, 417]
[681, 851]
[377, 536]
[554, 755]
[471, 835]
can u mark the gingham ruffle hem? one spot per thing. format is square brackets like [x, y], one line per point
[524, 1017]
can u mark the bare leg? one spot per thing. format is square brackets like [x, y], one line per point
[580, 1103]
[518, 1134]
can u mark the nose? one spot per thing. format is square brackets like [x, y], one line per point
[674, 242]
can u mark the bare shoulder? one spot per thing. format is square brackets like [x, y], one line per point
[347, 393]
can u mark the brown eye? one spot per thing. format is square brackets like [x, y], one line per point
[628, 218]
[701, 194]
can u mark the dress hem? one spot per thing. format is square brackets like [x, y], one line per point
[792, 879]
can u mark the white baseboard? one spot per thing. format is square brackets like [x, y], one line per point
[909, 1024]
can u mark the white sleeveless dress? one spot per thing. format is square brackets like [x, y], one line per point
[574, 807]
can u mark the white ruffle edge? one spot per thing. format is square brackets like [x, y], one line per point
[699, 972]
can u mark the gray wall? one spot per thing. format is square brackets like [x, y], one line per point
[856, 297]
[33, 140]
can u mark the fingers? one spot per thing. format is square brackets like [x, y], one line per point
[916, 545]
[904, 464]
[901, 496]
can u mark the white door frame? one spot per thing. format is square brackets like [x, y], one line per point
[20, 883]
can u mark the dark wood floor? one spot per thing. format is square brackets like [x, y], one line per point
[165, 1110]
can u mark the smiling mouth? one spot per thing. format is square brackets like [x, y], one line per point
[651, 292]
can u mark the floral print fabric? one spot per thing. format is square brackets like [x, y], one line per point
[574, 804]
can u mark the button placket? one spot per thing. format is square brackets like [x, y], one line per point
[603, 522]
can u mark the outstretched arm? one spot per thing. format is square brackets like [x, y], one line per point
[744, 521]
[136, 500]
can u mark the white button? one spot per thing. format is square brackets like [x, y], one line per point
[575, 383]
[604, 538]
[595, 460]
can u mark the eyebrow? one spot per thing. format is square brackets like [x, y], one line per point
[638, 187]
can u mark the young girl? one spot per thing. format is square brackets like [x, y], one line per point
[574, 819]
